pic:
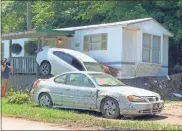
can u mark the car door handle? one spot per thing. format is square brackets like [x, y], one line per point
[67, 89]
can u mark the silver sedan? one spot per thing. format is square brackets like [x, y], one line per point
[95, 91]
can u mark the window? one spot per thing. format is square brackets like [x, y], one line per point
[106, 80]
[95, 42]
[151, 48]
[69, 59]
[63, 56]
[79, 80]
[60, 79]
[156, 49]
[146, 47]
[77, 64]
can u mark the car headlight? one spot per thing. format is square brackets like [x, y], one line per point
[135, 99]
[159, 97]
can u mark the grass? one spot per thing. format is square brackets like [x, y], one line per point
[35, 113]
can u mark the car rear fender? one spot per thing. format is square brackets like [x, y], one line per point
[44, 90]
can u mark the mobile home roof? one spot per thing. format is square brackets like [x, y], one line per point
[113, 24]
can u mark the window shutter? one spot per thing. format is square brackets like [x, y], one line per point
[86, 43]
[104, 41]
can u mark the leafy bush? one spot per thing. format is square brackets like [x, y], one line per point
[16, 48]
[18, 97]
[31, 47]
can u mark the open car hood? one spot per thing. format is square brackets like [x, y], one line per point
[147, 69]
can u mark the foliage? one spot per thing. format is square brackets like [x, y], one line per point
[18, 97]
[58, 14]
[30, 47]
[16, 48]
[74, 118]
[13, 16]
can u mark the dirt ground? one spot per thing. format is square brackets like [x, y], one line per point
[172, 114]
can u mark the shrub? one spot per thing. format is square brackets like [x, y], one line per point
[16, 48]
[18, 97]
[30, 47]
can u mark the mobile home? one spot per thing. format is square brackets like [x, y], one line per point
[137, 47]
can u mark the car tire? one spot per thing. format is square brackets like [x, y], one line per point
[110, 108]
[45, 69]
[45, 100]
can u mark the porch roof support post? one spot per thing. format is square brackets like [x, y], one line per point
[10, 52]
[38, 48]
[42, 41]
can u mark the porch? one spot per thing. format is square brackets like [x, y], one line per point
[26, 68]
[28, 65]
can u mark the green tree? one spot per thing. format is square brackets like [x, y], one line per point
[58, 14]
[13, 16]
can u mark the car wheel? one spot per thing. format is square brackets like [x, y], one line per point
[110, 108]
[45, 100]
[45, 69]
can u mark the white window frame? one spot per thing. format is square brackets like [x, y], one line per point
[98, 42]
[95, 42]
[151, 49]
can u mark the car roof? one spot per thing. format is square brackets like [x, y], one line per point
[85, 72]
[81, 72]
[81, 56]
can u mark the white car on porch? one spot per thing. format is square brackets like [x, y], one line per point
[55, 61]
[95, 91]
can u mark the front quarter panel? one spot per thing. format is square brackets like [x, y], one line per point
[117, 96]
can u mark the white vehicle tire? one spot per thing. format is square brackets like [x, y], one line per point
[45, 100]
[45, 69]
[110, 108]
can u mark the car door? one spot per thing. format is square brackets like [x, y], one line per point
[58, 89]
[70, 91]
[84, 93]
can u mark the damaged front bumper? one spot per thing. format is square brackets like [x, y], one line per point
[139, 109]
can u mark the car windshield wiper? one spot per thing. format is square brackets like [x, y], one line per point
[118, 85]
[111, 85]
[105, 85]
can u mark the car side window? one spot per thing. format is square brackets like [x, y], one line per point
[63, 56]
[60, 79]
[69, 59]
[77, 64]
[79, 80]
[86, 82]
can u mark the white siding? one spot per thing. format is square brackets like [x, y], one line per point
[130, 51]
[129, 45]
[67, 43]
[77, 42]
[114, 44]
[153, 28]
[150, 27]
[6, 47]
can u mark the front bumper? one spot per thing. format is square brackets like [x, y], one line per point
[139, 109]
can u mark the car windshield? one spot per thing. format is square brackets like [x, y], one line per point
[93, 66]
[106, 80]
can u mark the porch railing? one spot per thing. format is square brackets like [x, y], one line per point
[24, 65]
